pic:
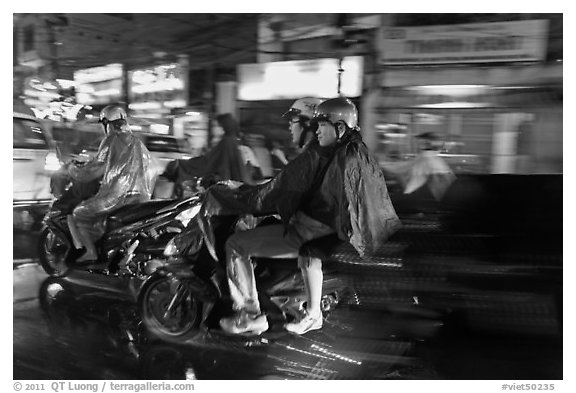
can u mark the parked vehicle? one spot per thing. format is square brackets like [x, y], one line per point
[33, 159]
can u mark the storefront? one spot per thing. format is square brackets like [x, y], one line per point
[492, 104]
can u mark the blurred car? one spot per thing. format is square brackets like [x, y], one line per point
[73, 141]
[165, 148]
[33, 160]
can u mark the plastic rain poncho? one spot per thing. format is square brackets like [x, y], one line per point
[129, 173]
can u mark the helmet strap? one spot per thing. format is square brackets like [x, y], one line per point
[306, 129]
[117, 124]
[337, 126]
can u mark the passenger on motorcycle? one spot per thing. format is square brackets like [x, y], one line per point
[333, 186]
[128, 174]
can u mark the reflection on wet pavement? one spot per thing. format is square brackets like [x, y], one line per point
[477, 294]
[71, 330]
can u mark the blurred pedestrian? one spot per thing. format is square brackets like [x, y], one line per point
[277, 155]
[426, 168]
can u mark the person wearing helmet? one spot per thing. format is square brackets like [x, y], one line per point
[299, 120]
[315, 196]
[128, 173]
[365, 216]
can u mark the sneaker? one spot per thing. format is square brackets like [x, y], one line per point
[306, 324]
[244, 323]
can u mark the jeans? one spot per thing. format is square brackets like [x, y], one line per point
[267, 241]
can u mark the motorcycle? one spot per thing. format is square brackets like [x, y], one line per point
[132, 245]
[188, 294]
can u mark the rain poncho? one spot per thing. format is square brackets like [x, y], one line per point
[129, 173]
[224, 161]
[366, 216]
[341, 186]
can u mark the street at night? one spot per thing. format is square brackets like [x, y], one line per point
[242, 196]
[465, 318]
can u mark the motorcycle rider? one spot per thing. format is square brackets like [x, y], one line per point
[300, 126]
[299, 121]
[224, 161]
[128, 174]
[333, 186]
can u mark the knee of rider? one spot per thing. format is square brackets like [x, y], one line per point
[303, 262]
[233, 246]
[314, 263]
[309, 263]
[75, 214]
[78, 214]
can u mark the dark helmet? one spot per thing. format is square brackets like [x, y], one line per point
[337, 109]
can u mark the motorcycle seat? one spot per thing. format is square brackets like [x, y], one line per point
[330, 249]
[131, 213]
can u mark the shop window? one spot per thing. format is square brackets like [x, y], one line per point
[166, 144]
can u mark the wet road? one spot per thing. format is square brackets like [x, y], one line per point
[86, 327]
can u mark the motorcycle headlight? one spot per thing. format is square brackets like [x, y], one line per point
[51, 163]
[185, 243]
[171, 248]
[185, 216]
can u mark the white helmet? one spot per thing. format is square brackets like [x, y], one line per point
[112, 113]
[303, 107]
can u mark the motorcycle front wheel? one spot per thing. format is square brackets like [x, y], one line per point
[168, 309]
[53, 252]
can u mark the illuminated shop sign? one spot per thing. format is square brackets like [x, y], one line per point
[465, 43]
[99, 85]
[295, 79]
[159, 88]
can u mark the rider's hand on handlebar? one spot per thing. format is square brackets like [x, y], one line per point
[232, 184]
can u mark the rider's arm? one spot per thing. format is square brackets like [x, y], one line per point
[94, 168]
[284, 192]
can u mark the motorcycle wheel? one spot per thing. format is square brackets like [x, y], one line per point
[178, 324]
[53, 252]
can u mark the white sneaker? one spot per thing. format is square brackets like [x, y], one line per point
[306, 324]
[244, 323]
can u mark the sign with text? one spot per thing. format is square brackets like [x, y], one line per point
[464, 43]
[300, 78]
[99, 85]
[158, 88]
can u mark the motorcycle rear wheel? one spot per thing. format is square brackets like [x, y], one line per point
[179, 324]
[53, 252]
